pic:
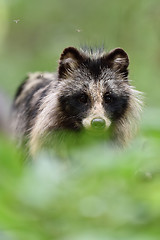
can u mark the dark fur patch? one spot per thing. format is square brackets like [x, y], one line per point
[20, 88]
[94, 66]
[117, 106]
[31, 111]
[73, 109]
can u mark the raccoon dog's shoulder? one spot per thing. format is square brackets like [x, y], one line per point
[90, 90]
[27, 101]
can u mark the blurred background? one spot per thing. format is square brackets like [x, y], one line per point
[98, 194]
[33, 35]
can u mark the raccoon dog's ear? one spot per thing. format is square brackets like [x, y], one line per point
[69, 61]
[117, 59]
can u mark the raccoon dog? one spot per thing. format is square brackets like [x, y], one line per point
[90, 90]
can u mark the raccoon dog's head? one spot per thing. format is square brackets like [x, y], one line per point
[92, 91]
[95, 92]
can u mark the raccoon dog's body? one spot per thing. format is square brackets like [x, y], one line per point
[89, 90]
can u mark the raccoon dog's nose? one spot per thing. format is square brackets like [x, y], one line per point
[98, 123]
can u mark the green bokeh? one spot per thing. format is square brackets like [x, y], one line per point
[45, 28]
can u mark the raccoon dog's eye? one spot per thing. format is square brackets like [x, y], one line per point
[108, 98]
[83, 98]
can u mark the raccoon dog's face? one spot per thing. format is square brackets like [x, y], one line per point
[94, 89]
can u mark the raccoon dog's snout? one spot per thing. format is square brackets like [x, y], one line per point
[98, 123]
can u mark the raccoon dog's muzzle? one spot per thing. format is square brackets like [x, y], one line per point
[96, 123]
[96, 119]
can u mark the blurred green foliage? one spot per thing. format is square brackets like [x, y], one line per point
[98, 193]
